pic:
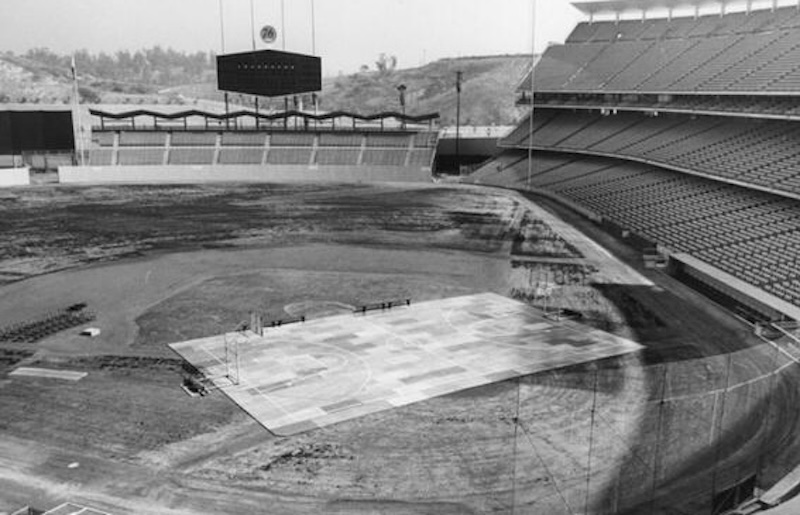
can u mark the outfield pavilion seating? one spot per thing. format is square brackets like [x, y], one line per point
[337, 156]
[334, 139]
[241, 156]
[101, 157]
[289, 156]
[421, 157]
[191, 156]
[103, 139]
[388, 140]
[141, 156]
[384, 157]
[142, 139]
[737, 52]
[225, 147]
[243, 139]
[193, 139]
[291, 139]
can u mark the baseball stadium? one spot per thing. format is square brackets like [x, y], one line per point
[247, 310]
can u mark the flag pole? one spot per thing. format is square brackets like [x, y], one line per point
[77, 110]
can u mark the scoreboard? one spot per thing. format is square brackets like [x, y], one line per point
[269, 73]
[36, 130]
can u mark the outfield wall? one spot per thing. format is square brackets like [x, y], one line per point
[239, 173]
[14, 177]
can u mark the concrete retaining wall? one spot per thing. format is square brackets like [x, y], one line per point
[239, 173]
[14, 177]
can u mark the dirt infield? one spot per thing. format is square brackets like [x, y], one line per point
[160, 264]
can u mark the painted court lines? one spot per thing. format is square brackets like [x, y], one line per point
[303, 376]
[66, 375]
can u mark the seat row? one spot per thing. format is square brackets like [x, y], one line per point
[126, 156]
[261, 139]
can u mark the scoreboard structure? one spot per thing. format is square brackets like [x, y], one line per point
[269, 73]
[34, 130]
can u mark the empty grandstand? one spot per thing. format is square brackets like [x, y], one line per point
[397, 147]
[680, 132]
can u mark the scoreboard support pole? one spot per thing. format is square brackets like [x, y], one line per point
[227, 120]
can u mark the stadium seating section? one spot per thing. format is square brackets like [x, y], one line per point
[241, 156]
[337, 156]
[142, 139]
[737, 52]
[231, 147]
[391, 157]
[243, 139]
[684, 132]
[101, 157]
[752, 235]
[191, 156]
[194, 139]
[388, 140]
[141, 156]
[289, 156]
[780, 106]
[761, 152]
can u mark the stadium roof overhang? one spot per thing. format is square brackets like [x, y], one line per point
[595, 7]
[265, 116]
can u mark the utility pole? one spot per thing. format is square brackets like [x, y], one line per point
[402, 89]
[459, 75]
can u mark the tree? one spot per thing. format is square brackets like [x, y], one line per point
[386, 64]
[88, 95]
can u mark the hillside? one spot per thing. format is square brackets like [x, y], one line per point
[487, 94]
[487, 89]
[23, 84]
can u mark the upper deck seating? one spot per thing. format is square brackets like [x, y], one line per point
[738, 52]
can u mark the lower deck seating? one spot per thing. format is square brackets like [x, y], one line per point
[750, 234]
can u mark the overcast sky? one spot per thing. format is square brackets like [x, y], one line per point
[349, 33]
